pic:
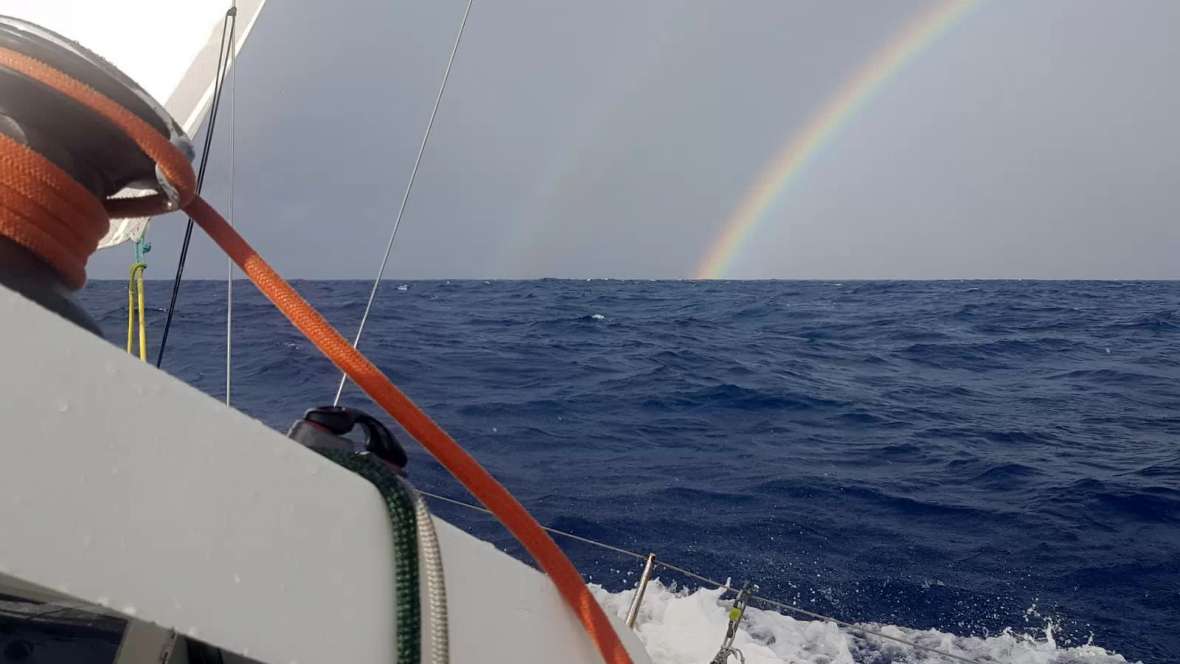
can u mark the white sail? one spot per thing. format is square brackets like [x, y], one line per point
[169, 47]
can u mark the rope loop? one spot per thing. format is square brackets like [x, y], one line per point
[177, 181]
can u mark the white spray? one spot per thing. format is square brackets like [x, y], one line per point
[686, 627]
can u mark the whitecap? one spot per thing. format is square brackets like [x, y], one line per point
[686, 627]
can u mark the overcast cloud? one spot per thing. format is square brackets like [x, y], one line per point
[612, 138]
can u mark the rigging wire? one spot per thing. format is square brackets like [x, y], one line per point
[406, 195]
[231, 18]
[230, 61]
[866, 631]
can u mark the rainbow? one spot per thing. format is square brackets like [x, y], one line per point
[786, 166]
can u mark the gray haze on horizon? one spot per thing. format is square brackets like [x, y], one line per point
[612, 139]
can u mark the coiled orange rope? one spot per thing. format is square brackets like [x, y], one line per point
[43, 209]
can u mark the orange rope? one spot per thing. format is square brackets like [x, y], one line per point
[48, 198]
[169, 160]
[37, 199]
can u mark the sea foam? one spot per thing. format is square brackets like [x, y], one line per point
[680, 626]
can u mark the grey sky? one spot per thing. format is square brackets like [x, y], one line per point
[612, 138]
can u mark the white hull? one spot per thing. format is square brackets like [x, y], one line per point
[122, 486]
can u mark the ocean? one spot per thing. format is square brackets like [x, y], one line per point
[998, 461]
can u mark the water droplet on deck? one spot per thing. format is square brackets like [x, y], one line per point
[63, 406]
[237, 579]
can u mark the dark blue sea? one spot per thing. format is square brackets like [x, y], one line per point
[969, 456]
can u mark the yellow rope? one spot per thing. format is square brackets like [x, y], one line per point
[130, 308]
[135, 296]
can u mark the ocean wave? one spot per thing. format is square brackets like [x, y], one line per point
[680, 626]
[728, 396]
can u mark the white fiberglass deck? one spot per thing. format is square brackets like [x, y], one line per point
[122, 486]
